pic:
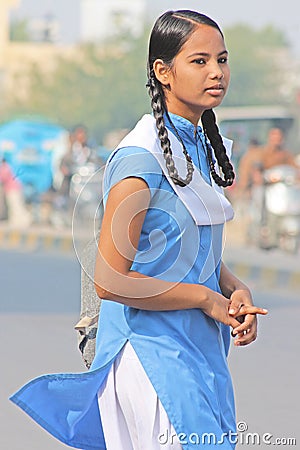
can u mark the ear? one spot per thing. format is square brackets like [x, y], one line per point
[162, 72]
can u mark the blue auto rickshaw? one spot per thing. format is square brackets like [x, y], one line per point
[31, 148]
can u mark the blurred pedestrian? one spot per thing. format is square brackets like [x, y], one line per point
[253, 185]
[259, 158]
[249, 163]
[18, 215]
[249, 176]
[76, 156]
[3, 207]
[275, 153]
[160, 369]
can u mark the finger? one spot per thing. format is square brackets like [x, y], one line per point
[246, 339]
[246, 333]
[248, 324]
[235, 307]
[234, 323]
[237, 335]
[251, 309]
[246, 336]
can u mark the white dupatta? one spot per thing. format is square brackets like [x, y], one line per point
[206, 203]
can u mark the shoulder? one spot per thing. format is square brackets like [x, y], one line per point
[138, 158]
[133, 162]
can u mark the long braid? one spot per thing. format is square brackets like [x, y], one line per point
[159, 108]
[211, 130]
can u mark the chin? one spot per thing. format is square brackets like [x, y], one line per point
[216, 102]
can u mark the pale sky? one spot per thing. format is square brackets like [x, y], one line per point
[283, 15]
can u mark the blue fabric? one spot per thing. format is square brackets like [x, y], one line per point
[183, 352]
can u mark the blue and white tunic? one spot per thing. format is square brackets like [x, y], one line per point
[183, 352]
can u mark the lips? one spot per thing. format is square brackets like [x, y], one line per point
[215, 90]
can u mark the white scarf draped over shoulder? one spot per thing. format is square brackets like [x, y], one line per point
[206, 203]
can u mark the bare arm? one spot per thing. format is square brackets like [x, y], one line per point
[229, 283]
[125, 211]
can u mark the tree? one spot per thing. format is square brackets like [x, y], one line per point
[253, 54]
[102, 91]
[104, 87]
[19, 31]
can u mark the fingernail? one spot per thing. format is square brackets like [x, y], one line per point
[231, 311]
[265, 310]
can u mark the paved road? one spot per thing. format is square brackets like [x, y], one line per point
[266, 373]
[39, 306]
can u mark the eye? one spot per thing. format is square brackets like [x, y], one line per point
[199, 61]
[223, 60]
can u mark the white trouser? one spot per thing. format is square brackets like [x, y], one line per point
[132, 415]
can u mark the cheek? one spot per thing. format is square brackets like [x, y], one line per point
[227, 74]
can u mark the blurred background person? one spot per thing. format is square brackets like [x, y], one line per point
[259, 158]
[274, 152]
[247, 199]
[248, 165]
[77, 168]
[77, 156]
[261, 168]
[3, 208]
[18, 215]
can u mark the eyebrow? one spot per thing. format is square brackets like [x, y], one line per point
[224, 52]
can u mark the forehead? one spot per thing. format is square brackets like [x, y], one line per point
[204, 39]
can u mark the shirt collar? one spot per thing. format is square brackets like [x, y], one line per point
[182, 125]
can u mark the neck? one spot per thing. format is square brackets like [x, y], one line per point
[194, 119]
[275, 147]
[185, 111]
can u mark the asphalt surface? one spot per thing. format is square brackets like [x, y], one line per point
[40, 304]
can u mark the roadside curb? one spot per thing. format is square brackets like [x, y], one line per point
[266, 277]
[254, 266]
[35, 240]
[261, 269]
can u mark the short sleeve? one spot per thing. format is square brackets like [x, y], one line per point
[133, 162]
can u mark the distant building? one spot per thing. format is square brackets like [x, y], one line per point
[18, 58]
[44, 29]
[5, 7]
[101, 19]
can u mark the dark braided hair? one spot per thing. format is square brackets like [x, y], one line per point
[170, 32]
[211, 131]
[159, 107]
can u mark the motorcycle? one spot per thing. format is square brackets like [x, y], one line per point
[86, 193]
[79, 199]
[278, 199]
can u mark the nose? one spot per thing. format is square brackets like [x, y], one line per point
[216, 72]
[217, 75]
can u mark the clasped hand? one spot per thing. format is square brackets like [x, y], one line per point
[242, 309]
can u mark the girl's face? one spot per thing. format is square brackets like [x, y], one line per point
[199, 76]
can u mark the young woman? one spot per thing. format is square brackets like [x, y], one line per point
[160, 379]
